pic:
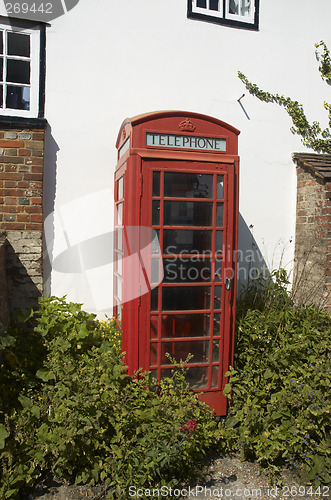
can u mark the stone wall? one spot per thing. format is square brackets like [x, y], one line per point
[312, 269]
[21, 217]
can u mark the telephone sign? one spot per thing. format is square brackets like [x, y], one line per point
[176, 182]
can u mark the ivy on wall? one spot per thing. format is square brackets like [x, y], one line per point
[312, 134]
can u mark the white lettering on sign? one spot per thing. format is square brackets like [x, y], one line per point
[185, 141]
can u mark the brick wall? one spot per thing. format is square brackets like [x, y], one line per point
[312, 271]
[3, 282]
[21, 177]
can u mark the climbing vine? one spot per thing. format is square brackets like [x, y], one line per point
[312, 134]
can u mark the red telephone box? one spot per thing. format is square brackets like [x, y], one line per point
[176, 220]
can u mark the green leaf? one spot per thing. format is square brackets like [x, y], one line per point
[45, 375]
[3, 435]
[25, 402]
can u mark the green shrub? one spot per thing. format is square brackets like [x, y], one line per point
[280, 409]
[89, 421]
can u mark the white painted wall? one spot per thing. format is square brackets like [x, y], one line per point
[112, 59]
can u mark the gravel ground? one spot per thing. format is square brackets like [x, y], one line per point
[225, 477]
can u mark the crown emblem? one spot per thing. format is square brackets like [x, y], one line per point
[187, 126]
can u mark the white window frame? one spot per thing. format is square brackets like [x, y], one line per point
[34, 33]
[208, 10]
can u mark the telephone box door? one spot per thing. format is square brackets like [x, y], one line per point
[189, 313]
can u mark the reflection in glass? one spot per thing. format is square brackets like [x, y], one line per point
[185, 325]
[220, 187]
[1, 42]
[186, 270]
[154, 320]
[1, 69]
[119, 289]
[180, 351]
[155, 270]
[216, 351]
[188, 298]
[119, 214]
[155, 246]
[153, 354]
[18, 44]
[219, 215]
[120, 188]
[119, 238]
[214, 376]
[218, 270]
[18, 71]
[187, 213]
[18, 97]
[187, 241]
[197, 376]
[155, 213]
[217, 325]
[188, 185]
[217, 297]
[154, 299]
[219, 242]
[119, 264]
[156, 183]
[233, 6]
[246, 6]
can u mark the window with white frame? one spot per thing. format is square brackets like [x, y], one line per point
[19, 69]
[238, 13]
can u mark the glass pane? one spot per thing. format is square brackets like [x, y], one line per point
[187, 213]
[185, 325]
[218, 270]
[214, 376]
[180, 350]
[219, 214]
[119, 289]
[188, 298]
[220, 187]
[156, 213]
[119, 238]
[1, 93]
[155, 246]
[154, 299]
[187, 241]
[119, 264]
[119, 214]
[155, 270]
[156, 183]
[120, 188]
[186, 270]
[18, 97]
[197, 377]
[154, 327]
[233, 6]
[1, 69]
[18, 44]
[153, 354]
[213, 5]
[219, 242]
[18, 71]
[202, 3]
[217, 297]
[217, 325]
[246, 8]
[216, 351]
[188, 185]
[1, 42]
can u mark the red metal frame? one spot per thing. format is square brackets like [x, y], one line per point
[135, 166]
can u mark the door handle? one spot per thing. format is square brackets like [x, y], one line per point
[228, 283]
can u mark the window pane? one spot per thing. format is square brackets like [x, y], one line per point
[213, 5]
[185, 325]
[188, 298]
[120, 188]
[180, 350]
[214, 376]
[18, 97]
[220, 184]
[217, 297]
[154, 320]
[18, 44]
[197, 376]
[188, 185]
[187, 213]
[156, 183]
[202, 4]
[219, 214]
[219, 242]
[119, 214]
[186, 270]
[154, 299]
[216, 351]
[1, 42]
[156, 213]
[187, 241]
[218, 270]
[153, 354]
[18, 71]
[233, 6]
[1, 92]
[1, 69]
[246, 8]
[217, 325]
[155, 270]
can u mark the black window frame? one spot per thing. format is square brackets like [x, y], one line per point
[208, 17]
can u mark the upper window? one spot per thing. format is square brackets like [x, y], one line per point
[239, 13]
[19, 70]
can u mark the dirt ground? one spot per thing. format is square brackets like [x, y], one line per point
[225, 477]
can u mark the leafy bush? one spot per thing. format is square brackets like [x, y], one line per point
[280, 409]
[89, 421]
